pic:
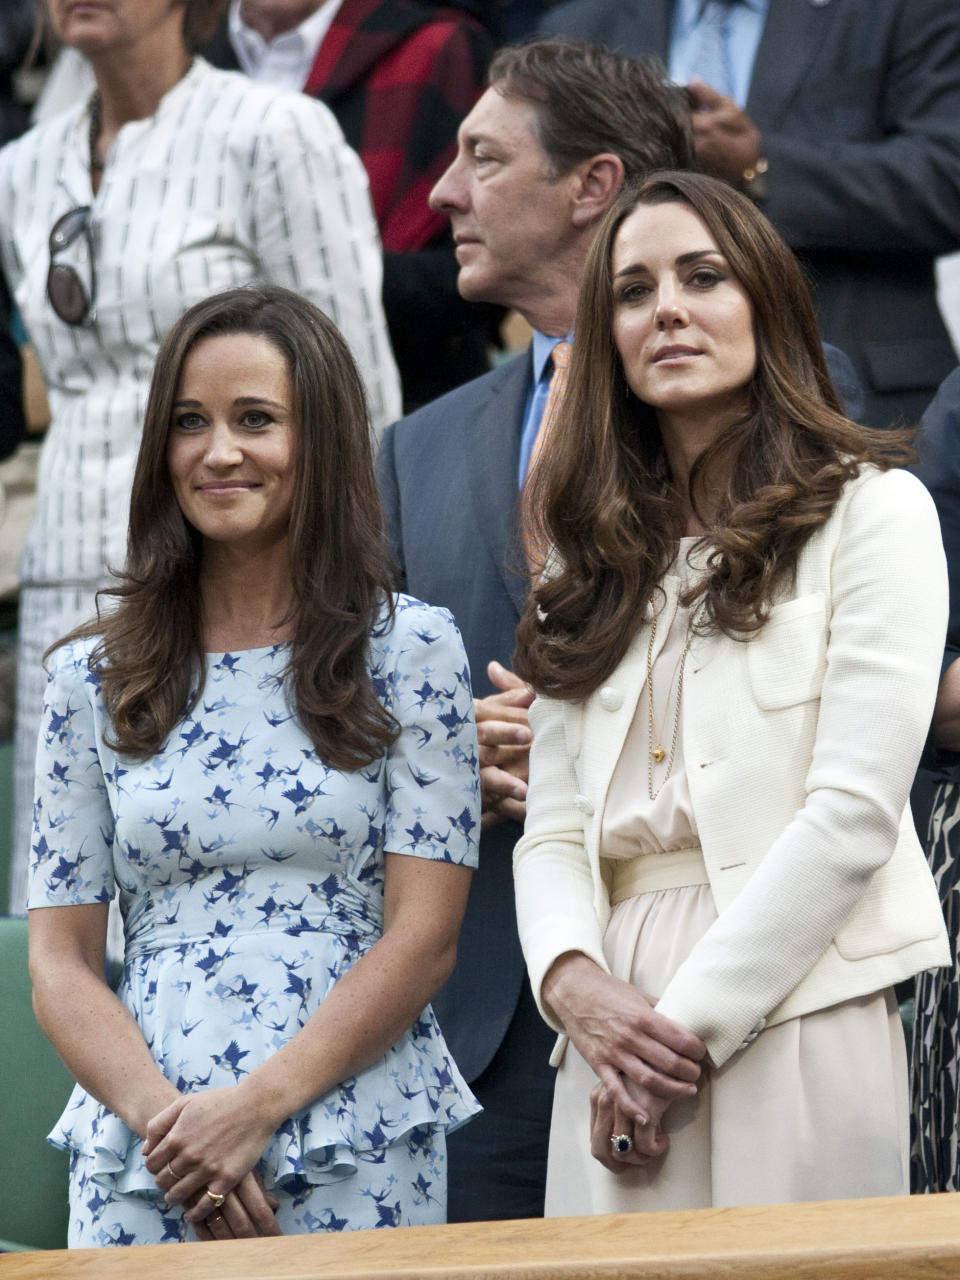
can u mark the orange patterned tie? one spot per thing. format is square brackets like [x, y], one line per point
[555, 392]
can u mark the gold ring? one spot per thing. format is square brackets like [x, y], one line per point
[173, 1174]
[215, 1196]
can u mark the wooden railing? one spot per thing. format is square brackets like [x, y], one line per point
[896, 1239]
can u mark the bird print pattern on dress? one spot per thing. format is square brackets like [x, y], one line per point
[251, 878]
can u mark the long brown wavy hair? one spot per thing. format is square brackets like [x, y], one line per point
[603, 499]
[150, 655]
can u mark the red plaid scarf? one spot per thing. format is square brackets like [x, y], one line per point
[400, 77]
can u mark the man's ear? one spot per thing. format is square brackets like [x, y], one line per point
[597, 184]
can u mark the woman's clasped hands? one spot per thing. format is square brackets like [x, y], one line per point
[610, 1124]
[643, 1061]
[202, 1150]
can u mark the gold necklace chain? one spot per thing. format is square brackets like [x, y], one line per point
[655, 751]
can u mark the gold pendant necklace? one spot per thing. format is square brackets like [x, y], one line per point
[656, 753]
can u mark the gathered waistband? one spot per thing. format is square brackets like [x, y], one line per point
[678, 869]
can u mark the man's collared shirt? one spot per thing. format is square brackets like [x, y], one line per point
[541, 349]
[743, 27]
[286, 60]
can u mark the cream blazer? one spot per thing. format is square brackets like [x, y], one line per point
[801, 745]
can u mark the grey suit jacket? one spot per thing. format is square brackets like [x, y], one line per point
[448, 480]
[858, 102]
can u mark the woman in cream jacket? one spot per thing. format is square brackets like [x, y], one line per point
[736, 653]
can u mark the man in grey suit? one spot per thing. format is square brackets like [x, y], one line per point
[540, 158]
[850, 108]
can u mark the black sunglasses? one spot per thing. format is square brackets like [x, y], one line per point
[65, 289]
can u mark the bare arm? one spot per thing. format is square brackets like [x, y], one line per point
[214, 1137]
[90, 1028]
[946, 712]
[100, 1042]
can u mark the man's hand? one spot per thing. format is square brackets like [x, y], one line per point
[726, 139]
[504, 736]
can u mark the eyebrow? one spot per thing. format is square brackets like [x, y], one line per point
[240, 402]
[682, 261]
[473, 140]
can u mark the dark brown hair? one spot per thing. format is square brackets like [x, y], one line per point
[589, 100]
[150, 656]
[200, 21]
[601, 496]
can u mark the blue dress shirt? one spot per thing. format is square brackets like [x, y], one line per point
[541, 350]
[742, 27]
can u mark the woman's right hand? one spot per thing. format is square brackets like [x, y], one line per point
[210, 1140]
[619, 1033]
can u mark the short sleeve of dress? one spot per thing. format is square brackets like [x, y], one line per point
[71, 858]
[432, 778]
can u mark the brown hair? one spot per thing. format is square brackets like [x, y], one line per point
[589, 100]
[150, 656]
[601, 497]
[200, 21]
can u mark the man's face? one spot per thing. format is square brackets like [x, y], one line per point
[272, 17]
[510, 220]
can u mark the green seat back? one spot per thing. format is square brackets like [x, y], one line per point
[34, 1086]
[6, 818]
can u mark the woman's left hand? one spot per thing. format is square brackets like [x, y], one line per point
[202, 1145]
[607, 1119]
[249, 1211]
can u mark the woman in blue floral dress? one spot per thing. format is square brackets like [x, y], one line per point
[274, 761]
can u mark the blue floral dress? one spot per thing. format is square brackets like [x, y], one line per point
[251, 878]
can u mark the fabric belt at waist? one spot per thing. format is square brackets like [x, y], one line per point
[679, 869]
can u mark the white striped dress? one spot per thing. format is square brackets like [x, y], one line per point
[228, 182]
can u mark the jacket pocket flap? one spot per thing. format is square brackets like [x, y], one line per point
[787, 658]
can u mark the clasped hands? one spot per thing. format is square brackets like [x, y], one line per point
[643, 1061]
[203, 1146]
[504, 737]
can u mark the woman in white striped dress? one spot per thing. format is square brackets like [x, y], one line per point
[173, 182]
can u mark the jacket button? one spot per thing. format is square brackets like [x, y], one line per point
[584, 805]
[611, 699]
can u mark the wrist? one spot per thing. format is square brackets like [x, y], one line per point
[140, 1113]
[565, 980]
[263, 1097]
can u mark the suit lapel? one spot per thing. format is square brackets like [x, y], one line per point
[640, 26]
[793, 34]
[492, 443]
[652, 19]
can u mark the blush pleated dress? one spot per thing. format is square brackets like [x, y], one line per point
[815, 1108]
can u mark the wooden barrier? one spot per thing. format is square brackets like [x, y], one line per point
[895, 1239]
